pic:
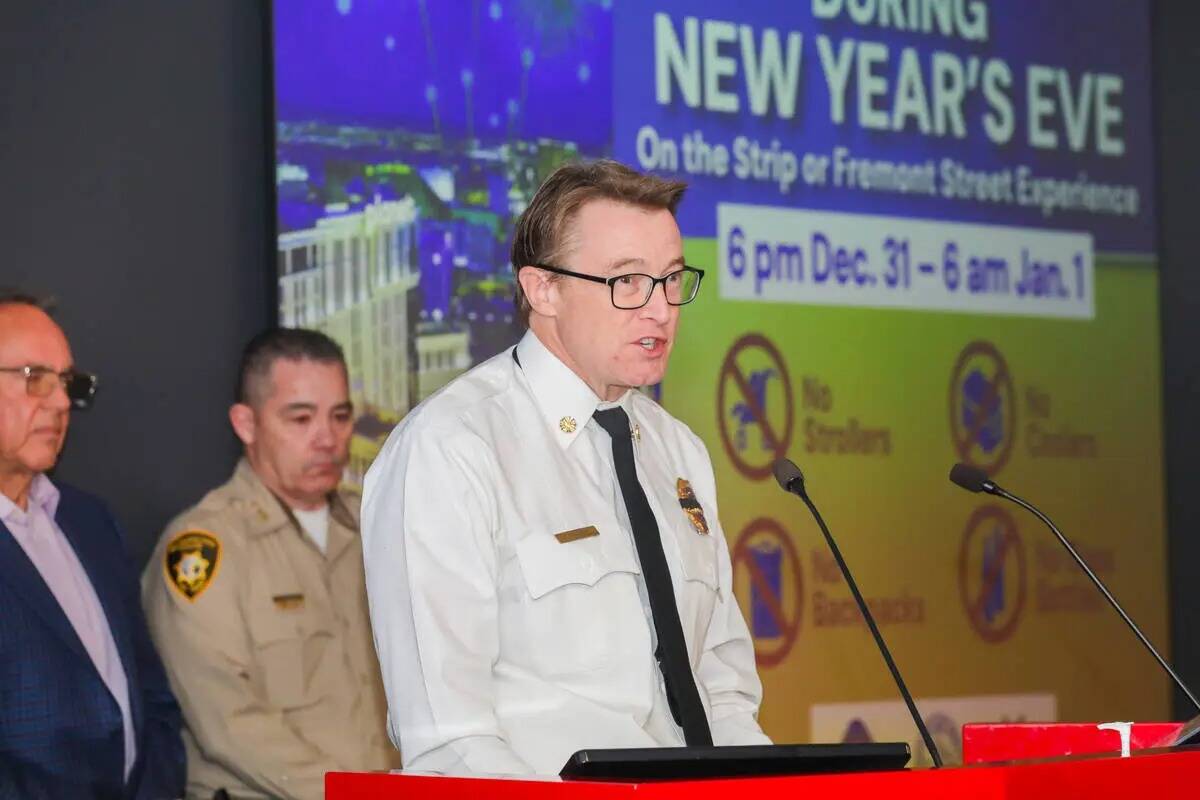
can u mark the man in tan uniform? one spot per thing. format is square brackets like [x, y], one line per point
[256, 595]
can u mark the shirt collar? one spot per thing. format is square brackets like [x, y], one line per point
[565, 402]
[268, 513]
[42, 493]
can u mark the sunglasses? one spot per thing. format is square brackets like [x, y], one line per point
[40, 382]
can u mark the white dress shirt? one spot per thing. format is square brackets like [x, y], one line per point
[47, 546]
[504, 648]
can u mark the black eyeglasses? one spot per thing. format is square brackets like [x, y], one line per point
[40, 381]
[633, 289]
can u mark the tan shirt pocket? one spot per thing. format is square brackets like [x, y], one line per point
[290, 640]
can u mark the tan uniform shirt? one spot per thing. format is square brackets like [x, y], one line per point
[267, 644]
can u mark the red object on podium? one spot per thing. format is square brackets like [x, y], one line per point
[984, 743]
[1171, 773]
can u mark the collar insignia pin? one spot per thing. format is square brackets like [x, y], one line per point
[567, 424]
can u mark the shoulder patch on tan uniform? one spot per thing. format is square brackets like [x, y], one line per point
[190, 562]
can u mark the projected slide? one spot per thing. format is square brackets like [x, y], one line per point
[928, 230]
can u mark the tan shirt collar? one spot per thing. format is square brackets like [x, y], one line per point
[268, 513]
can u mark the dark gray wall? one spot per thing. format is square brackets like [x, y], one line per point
[132, 166]
[1177, 118]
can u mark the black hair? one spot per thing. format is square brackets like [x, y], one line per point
[293, 344]
[11, 296]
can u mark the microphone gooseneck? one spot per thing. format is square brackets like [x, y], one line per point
[974, 479]
[791, 480]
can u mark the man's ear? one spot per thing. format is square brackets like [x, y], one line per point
[241, 417]
[539, 289]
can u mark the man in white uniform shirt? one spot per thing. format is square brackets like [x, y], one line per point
[545, 565]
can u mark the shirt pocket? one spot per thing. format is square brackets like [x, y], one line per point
[699, 589]
[548, 564]
[697, 557]
[581, 609]
[697, 551]
[289, 645]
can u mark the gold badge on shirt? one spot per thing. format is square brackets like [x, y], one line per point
[191, 562]
[691, 506]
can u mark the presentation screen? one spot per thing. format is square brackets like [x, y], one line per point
[928, 232]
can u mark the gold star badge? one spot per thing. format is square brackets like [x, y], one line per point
[567, 424]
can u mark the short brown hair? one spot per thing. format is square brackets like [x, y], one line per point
[542, 231]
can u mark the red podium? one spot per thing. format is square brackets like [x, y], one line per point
[986, 743]
[1173, 773]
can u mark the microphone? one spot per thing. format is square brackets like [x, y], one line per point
[791, 480]
[974, 479]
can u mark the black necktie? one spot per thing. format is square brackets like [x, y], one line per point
[672, 655]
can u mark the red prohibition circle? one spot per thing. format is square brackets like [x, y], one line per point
[788, 619]
[965, 439]
[973, 606]
[730, 373]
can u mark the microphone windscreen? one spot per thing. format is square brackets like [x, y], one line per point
[970, 478]
[786, 472]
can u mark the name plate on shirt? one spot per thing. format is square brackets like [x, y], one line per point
[577, 534]
[288, 602]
